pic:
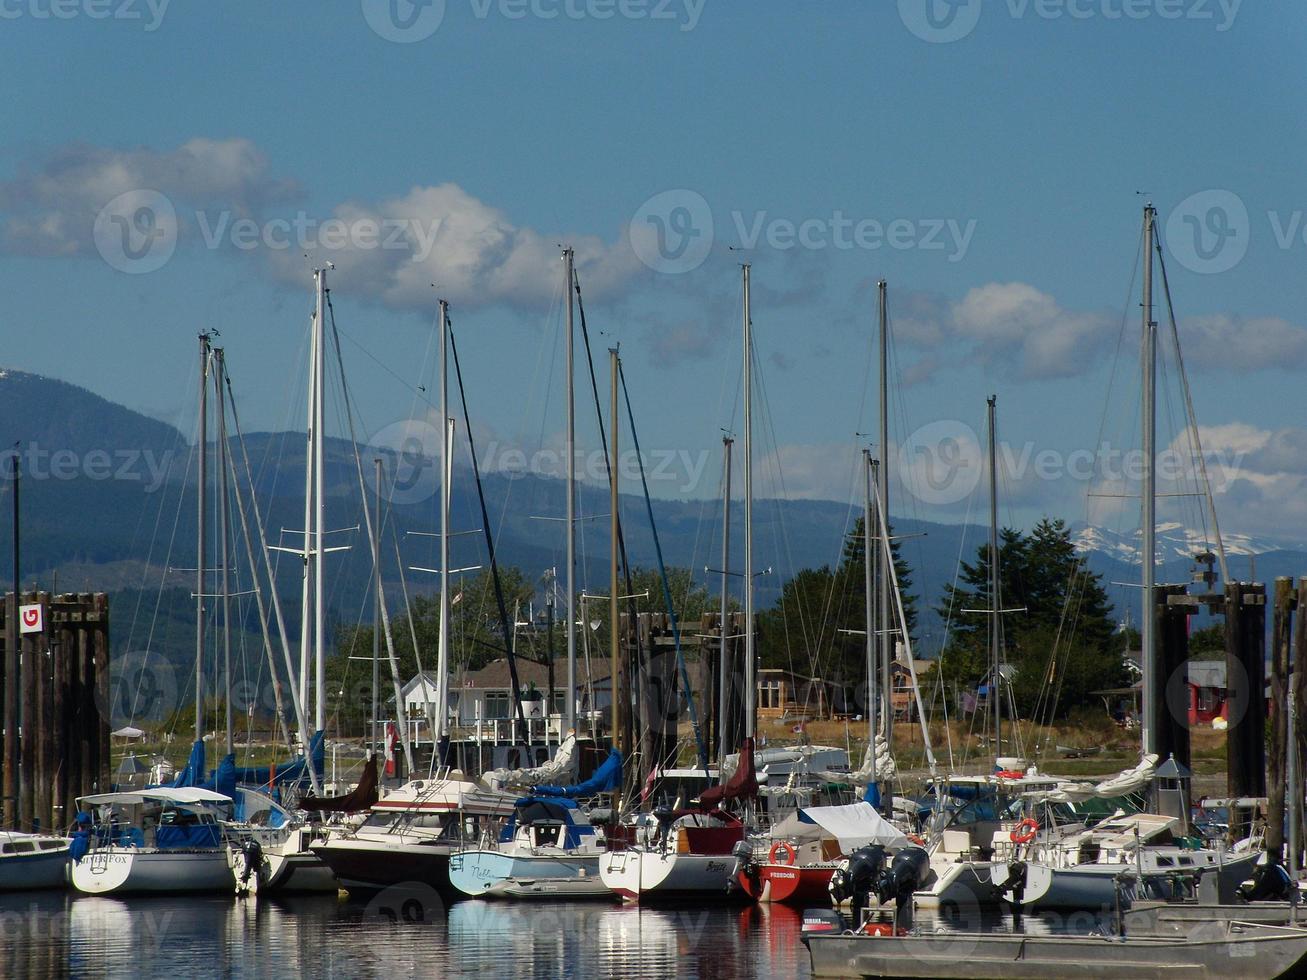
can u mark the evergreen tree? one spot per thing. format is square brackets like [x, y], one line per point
[1061, 646]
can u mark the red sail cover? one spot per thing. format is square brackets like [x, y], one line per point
[361, 798]
[743, 784]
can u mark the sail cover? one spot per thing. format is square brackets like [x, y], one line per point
[884, 768]
[605, 779]
[743, 783]
[855, 825]
[1124, 783]
[360, 798]
[556, 770]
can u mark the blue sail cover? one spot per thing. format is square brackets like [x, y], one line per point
[605, 779]
[193, 774]
[223, 779]
[872, 795]
[290, 772]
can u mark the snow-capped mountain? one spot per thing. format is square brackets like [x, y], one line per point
[1174, 541]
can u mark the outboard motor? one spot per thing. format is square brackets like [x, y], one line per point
[251, 860]
[820, 922]
[744, 865]
[664, 815]
[908, 872]
[1270, 882]
[1016, 884]
[856, 882]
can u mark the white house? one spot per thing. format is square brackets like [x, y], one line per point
[486, 695]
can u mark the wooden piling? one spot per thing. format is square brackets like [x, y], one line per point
[1300, 697]
[1245, 654]
[1174, 606]
[1281, 626]
[11, 692]
[27, 728]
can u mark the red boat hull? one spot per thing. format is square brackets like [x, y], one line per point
[791, 884]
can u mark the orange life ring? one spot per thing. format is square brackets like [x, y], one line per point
[917, 839]
[1025, 831]
[779, 848]
[1010, 774]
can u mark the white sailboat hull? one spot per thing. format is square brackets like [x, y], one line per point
[640, 875]
[120, 870]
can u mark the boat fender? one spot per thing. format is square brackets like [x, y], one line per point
[782, 852]
[1025, 831]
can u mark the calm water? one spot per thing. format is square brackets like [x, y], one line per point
[44, 935]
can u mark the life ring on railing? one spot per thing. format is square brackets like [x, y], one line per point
[916, 839]
[774, 856]
[1010, 774]
[1025, 831]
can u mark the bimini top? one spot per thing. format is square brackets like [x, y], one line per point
[160, 794]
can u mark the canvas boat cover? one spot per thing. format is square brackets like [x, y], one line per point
[557, 770]
[855, 825]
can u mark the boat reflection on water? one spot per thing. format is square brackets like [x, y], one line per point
[626, 941]
[398, 933]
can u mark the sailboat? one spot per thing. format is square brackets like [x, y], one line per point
[688, 854]
[792, 863]
[1081, 870]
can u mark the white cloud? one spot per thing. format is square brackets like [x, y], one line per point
[471, 251]
[50, 210]
[1230, 342]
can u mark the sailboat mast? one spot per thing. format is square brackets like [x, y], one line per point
[723, 682]
[306, 583]
[376, 615]
[995, 633]
[202, 450]
[442, 647]
[750, 688]
[319, 509]
[1148, 520]
[219, 369]
[570, 580]
[887, 637]
[614, 633]
[870, 552]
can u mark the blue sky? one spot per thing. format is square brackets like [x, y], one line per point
[1006, 162]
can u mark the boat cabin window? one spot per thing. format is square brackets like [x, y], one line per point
[1165, 862]
[546, 834]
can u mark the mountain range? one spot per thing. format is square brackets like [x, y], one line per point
[108, 504]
